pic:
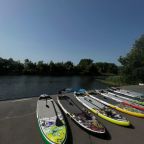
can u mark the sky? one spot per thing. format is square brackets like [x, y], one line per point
[62, 30]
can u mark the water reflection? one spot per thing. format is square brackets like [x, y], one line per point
[12, 87]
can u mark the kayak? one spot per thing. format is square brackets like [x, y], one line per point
[126, 101]
[137, 100]
[101, 109]
[106, 98]
[50, 120]
[82, 117]
[134, 105]
[127, 92]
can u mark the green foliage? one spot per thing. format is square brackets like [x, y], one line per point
[10, 66]
[116, 80]
[85, 67]
[85, 62]
[42, 68]
[69, 68]
[104, 67]
[29, 67]
[133, 63]
[138, 74]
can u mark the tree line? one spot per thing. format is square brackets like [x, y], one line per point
[131, 69]
[84, 67]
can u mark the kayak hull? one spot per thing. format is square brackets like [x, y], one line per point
[134, 106]
[75, 119]
[42, 135]
[122, 123]
[124, 110]
[138, 102]
[51, 124]
[118, 122]
[127, 112]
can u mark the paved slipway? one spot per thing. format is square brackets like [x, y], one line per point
[18, 125]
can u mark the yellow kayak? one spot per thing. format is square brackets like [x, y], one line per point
[107, 99]
[101, 110]
[118, 122]
[124, 110]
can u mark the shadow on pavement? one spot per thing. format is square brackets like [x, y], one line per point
[69, 133]
[105, 136]
[131, 126]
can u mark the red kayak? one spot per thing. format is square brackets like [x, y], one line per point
[133, 105]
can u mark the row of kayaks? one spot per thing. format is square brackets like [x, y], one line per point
[133, 97]
[102, 103]
[118, 104]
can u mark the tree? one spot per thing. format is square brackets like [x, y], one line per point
[29, 67]
[60, 69]
[93, 70]
[108, 68]
[52, 68]
[42, 68]
[133, 62]
[84, 66]
[69, 67]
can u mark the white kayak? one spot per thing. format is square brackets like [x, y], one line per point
[50, 121]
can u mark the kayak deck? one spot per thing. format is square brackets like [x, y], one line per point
[120, 105]
[45, 111]
[126, 101]
[123, 95]
[100, 107]
[102, 110]
[69, 105]
[103, 98]
[137, 100]
[51, 123]
[82, 116]
[129, 93]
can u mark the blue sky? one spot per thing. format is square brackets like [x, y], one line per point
[62, 30]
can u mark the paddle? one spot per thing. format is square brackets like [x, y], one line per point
[58, 121]
[47, 104]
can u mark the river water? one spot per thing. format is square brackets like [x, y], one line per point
[13, 87]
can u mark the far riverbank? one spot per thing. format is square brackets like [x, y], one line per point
[112, 80]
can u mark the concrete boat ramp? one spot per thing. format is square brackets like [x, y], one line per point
[18, 125]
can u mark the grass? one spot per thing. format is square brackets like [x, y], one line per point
[112, 80]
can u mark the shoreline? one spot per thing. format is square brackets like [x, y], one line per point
[137, 88]
[18, 99]
[112, 80]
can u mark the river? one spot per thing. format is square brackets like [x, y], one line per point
[15, 87]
